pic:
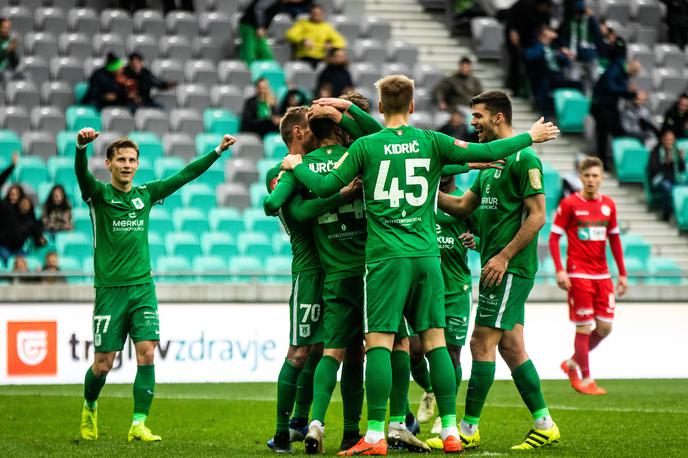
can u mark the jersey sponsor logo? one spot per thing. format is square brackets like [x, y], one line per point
[127, 225]
[606, 211]
[446, 243]
[322, 167]
[592, 234]
[138, 203]
[582, 213]
[487, 189]
[535, 179]
[460, 143]
[489, 203]
[31, 348]
[402, 148]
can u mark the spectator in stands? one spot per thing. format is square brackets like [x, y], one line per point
[676, 117]
[336, 74]
[580, 37]
[19, 223]
[523, 20]
[546, 64]
[636, 119]
[57, 211]
[611, 47]
[9, 59]
[612, 86]
[253, 30]
[294, 8]
[144, 81]
[456, 125]
[677, 21]
[458, 89]
[666, 168]
[313, 37]
[107, 85]
[5, 174]
[15, 193]
[20, 266]
[294, 97]
[260, 113]
[51, 264]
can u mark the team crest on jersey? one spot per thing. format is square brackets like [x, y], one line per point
[138, 203]
[606, 211]
[535, 180]
[304, 330]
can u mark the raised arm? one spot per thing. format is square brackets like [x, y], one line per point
[358, 124]
[458, 206]
[279, 193]
[307, 209]
[87, 182]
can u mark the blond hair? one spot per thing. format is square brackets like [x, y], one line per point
[396, 94]
[590, 162]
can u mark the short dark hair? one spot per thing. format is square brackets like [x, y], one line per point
[495, 102]
[322, 128]
[465, 60]
[135, 55]
[120, 144]
[589, 162]
[357, 99]
[295, 116]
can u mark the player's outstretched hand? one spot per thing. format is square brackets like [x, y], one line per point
[563, 281]
[339, 104]
[542, 131]
[227, 141]
[324, 111]
[352, 190]
[494, 270]
[468, 240]
[499, 165]
[86, 136]
[622, 286]
[290, 161]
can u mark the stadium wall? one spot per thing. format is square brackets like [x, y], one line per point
[242, 342]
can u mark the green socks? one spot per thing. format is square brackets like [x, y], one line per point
[528, 384]
[324, 382]
[92, 387]
[443, 381]
[458, 373]
[398, 399]
[351, 386]
[144, 388]
[304, 392]
[286, 393]
[378, 385]
[482, 377]
[420, 373]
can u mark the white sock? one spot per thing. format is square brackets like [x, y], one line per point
[136, 422]
[317, 424]
[397, 425]
[450, 431]
[544, 423]
[468, 429]
[373, 437]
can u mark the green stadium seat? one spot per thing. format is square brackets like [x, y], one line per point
[174, 264]
[81, 221]
[74, 244]
[150, 146]
[254, 244]
[156, 246]
[227, 220]
[241, 268]
[220, 121]
[263, 166]
[167, 166]
[190, 219]
[271, 71]
[636, 270]
[214, 176]
[9, 145]
[680, 198]
[32, 171]
[665, 271]
[66, 144]
[144, 174]
[61, 170]
[552, 182]
[279, 269]
[182, 244]
[173, 201]
[258, 194]
[80, 116]
[219, 244]
[69, 264]
[635, 247]
[210, 264]
[630, 159]
[281, 246]
[257, 221]
[80, 90]
[465, 180]
[88, 268]
[571, 107]
[207, 142]
[160, 221]
[198, 195]
[274, 147]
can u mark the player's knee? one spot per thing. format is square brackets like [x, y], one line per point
[102, 367]
[454, 354]
[480, 348]
[298, 355]
[145, 356]
[603, 330]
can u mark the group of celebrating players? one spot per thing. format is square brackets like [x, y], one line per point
[378, 273]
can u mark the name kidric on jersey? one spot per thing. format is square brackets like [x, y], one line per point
[402, 148]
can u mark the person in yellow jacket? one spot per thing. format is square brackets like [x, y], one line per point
[313, 37]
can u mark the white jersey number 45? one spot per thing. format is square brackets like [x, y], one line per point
[395, 194]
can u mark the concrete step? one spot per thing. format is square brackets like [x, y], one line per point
[373, 9]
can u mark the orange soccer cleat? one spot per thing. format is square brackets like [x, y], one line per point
[590, 388]
[570, 369]
[452, 444]
[363, 448]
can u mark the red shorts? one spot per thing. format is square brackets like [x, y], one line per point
[590, 300]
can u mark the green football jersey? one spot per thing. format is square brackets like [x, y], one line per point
[340, 234]
[304, 254]
[401, 169]
[120, 220]
[502, 210]
[455, 271]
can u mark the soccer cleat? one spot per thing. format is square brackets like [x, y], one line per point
[426, 409]
[571, 370]
[280, 443]
[139, 432]
[348, 442]
[470, 441]
[402, 439]
[590, 388]
[298, 428]
[89, 423]
[314, 441]
[435, 443]
[437, 426]
[452, 444]
[412, 424]
[363, 448]
[537, 438]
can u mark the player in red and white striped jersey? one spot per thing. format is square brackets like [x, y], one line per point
[588, 219]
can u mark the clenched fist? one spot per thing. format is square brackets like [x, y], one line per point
[86, 136]
[226, 142]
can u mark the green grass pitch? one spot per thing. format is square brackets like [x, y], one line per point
[638, 417]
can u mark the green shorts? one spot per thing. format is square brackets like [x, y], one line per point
[503, 306]
[404, 331]
[343, 320]
[305, 308]
[458, 311]
[122, 310]
[404, 287]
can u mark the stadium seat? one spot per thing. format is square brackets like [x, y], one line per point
[39, 143]
[160, 221]
[179, 144]
[300, 73]
[156, 247]
[274, 146]
[186, 120]
[174, 264]
[104, 43]
[57, 93]
[200, 72]
[81, 221]
[32, 171]
[49, 19]
[264, 165]
[80, 116]
[245, 268]
[183, 243]
[153, 120]
[665, 271]
[150, 147]
[219, 121]
[635, 247]
[73, 244]
[21, 17]
[36, 69]
[369, 51]
[66, 144]
[227, 97]
[365, 74]
[280, 24]
[670, 56]
[258, 194]
[42, 44]
[207, 48]
[240, 170]
[488, 37]
[401, 52]
[617, 10]
[571, 107]
[23, 93]
[281, 246]
[116, 20]
[144, 174]
[214, 176]
[234, 73]
[347, 26]
[117, 119]
[83, 20]
[647, 12]
[182, 23]
[219, 244]
[74, 44]
[198, 195]
[255, 244]
[146, 45]
[669, 80]
[190, 219]
[173, 201]
[207, 142]
[642, 53]
[257, 221]
[630, 159]
[233, 195]
[209, 267]
[226, 220]
[216, 25]
[166, 166]
[149, 22]
[278, 269]
[249, 146]
[427, 75]
[16, 119]
[177, 47]
[69, 69]
[168, 69]
[680, 199]
[103, 140]
[636, 270]
[376, 28]
[195, 96]
[422, 119]
[552, 182]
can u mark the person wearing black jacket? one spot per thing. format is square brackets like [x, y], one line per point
[105, 86]
[336, 74]
[677, 20]
[666, 168]
[260, 113]
[253, 29]
[676, 118]
[145, 81]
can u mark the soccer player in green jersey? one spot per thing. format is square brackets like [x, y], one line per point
[512, 211]
[400, 168]
[125, 302]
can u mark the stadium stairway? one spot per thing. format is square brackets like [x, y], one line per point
[411, 23]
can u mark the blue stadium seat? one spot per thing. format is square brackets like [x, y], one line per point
[191, 219]
[254, 244]
[274, 146]
[257, 221]
[279, 269]
[174, 264]
[214, 176]
[70, 264]
[264, 165]
[80, 90]
[220, 121]
[198, 195]
[227, 220]
[9, 145]
[219, 244]
[156, 246]
[66, 144]
[636, 270]
[182, 244]
[150, 146]
[680, 198]
[630, 159]
[635, 247]
[144, 174]
[258, 194]
[552, 183]
[166, 166]
[81, 221]
[571, 107]
[242, 266]
[160, 221]
[173, 201]
[61, 170]
[32, 171]
[207, 142]
[210, 264]
[271, 71]
[80, 116]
